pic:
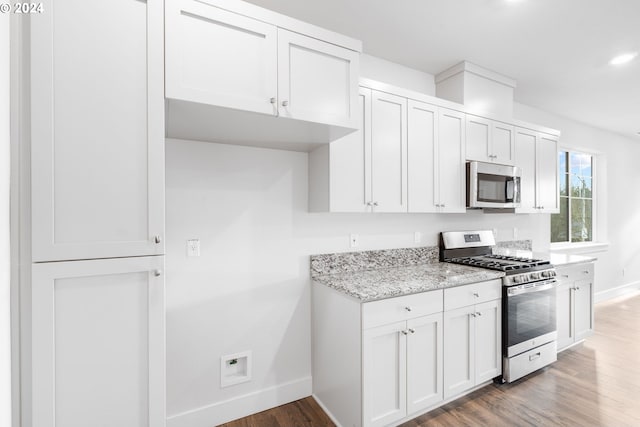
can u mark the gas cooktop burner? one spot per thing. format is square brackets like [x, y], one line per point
[501, 262]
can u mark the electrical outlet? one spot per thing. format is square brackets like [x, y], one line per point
[417, 237]
[353, 240]
[193, 247]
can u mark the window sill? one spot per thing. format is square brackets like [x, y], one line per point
[579, 248]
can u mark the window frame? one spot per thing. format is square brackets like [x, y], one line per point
[594, 202]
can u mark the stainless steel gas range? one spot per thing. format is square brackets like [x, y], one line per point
[528, 300]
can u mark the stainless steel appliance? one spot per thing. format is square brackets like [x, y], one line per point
[491, 185]
[528, 300]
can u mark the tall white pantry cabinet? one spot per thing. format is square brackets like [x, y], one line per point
[97, 327]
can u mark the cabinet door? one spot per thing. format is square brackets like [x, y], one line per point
[424, 362]
[350, 164]
[478, 141]
[98, 343]
[503, 143]
[384, 374]
[422, 156]
[526, 142]
[388, 152]
[220, 58]
[547, 174]
[97, 130]
[564, 314]
[451, 180]
[488, 340]
[317, 81]
[459, 353]
[583, 308]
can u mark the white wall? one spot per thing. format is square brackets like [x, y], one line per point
[618, 207]
[5, 330]
[375, 68]
[249, 290]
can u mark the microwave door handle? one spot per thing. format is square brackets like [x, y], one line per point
[509, 190]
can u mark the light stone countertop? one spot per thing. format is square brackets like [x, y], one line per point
[372, 285]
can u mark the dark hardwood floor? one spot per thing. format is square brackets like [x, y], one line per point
[593, 384]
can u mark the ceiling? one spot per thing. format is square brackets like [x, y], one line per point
[558, 51]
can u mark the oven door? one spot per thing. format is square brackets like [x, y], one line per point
[530, 316]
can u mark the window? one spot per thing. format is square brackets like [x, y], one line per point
[574, 223]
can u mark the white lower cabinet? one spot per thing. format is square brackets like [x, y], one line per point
[574, 304]
[472, 346]
[402, 369]
[98, 343]
[384, 362]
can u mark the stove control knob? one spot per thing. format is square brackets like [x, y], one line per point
[535, 276]
[517, 279]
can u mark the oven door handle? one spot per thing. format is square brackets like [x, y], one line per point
[519, 290]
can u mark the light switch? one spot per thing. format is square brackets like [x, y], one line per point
[193, 247]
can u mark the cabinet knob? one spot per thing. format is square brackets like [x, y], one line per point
[157, 239]
[478, 314]
[157, 273]
[477, 295]
[577, 288]
[375, 203]
[473, 314]
[272, 100]
[285, 103]
[408, 308]
[585, 272]
[405, 332]
[413, 331]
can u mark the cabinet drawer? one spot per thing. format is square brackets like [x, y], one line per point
[475, 293]
[401, 308]
[574, 272]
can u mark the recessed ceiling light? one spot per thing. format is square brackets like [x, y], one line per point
[623, 59]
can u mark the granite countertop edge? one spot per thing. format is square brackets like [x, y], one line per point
[374, 285]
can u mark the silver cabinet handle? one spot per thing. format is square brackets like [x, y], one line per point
[413, 331]
[585, 272]
[477, 295]
[157, 273]
[405, 332]
[157, 239]
[285, 103]
[565, 276]
[534, 356]
[272, 100]
[408, 308]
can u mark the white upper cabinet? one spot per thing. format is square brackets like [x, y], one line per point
[436, 159]
[238, 73]
[97, 130]
[226, 59]
[489, 140]
[537, 157]
[451, 165]
[388, 152]
[365, 171]
[317, 81]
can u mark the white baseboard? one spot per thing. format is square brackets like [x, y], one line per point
[326, 410]
[616, 292]
[241, 406]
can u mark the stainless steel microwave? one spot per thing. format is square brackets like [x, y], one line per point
[490, 185]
